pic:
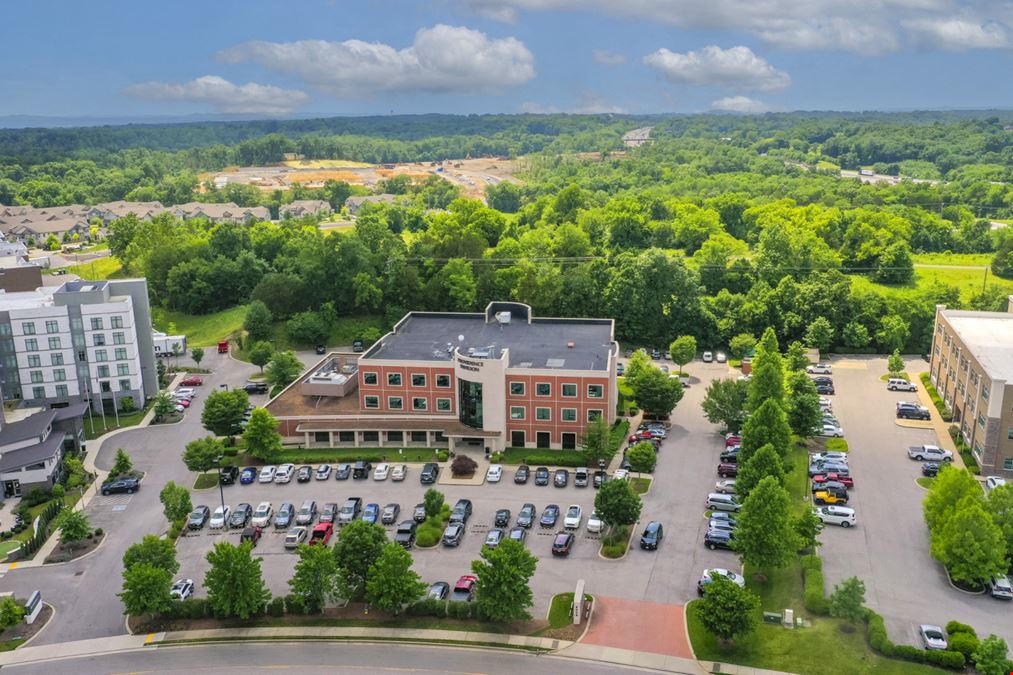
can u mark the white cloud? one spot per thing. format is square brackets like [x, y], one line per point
[225, 96]
[607, 58]
[442, 59]
[740, 104]
[736, 67]
[866, 27]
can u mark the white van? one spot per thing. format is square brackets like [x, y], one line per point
[836, 515]
[899, 384]
[718, 501]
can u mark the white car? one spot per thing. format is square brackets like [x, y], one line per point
[620, 474]
[709, 576]
[266, 474]
[831, 456]
[381, 471]
[826, 404]
[179, 408]
[726, 486]
[930, 453]
[707, 357]
[262, 515]
[182, 589]
[284, 473]
[399, 472]
[323, 472]
[219, 518]
[594, 522]
[574, 515]
[494, 474]
[933, 637]
[831, 430]
[720, 357]
[992, 482]
[185, 392]
[836, 515]
[819, 369]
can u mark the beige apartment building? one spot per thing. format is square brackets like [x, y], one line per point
[972, 367]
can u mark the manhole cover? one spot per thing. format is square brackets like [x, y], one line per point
[77, 574]
[120, 507]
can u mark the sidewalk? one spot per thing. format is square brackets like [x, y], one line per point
[939, 426]
[101, 646]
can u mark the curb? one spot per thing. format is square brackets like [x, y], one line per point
[43, 630]
[86, 555]
[960, 590]
[633, 530]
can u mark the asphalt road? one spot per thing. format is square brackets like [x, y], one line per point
[323, 657]
[889, 547]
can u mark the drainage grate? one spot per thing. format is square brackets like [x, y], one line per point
[77, 574]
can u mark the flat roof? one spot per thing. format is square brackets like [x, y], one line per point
[543, 343]
[987, 335]
[42, 297]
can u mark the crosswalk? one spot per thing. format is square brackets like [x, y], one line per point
[111, 502]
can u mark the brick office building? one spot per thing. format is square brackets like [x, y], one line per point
[497, 379]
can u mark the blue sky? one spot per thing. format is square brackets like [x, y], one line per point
[263, 57]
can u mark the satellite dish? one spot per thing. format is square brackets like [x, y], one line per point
[460, 338]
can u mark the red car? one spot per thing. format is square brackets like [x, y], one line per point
[192, 382]
[728, 469]
[321, 534]
[732, 440]
[464, 589]
[641, 436]
[847, 481]
[183, 402]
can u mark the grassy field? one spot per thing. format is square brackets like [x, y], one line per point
[100, 268]
[204, 330]
[345, 331]
[326, 164]
[977, 259]
[94, 426]
[968, 281]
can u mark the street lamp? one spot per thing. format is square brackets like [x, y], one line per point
[221, 489]
[224, 386]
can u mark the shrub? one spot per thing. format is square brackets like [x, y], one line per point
[276, 607]
[554, 459]
[428, 535]
[965, 643]
[442, 455]
[909, 653]
[428, 607]
[191, 608]
[35, 497]
[295, 604]
[231, 452]
[880, 642]
[937, 401]
[99, 531]
[463, 466]
[946, 659]
[954, 627]
[459, 610]
[815, 599]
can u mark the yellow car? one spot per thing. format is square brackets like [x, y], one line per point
[830, 497]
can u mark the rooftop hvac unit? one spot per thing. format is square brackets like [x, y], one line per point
[503, 317]
[348, 369]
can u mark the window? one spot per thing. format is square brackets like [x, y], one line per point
[517, 412]
[371, 401]
[60, 375]
[28, 328]
[986, 391]
[346, 436]
[122, 368]
[517, 389]
[101, 355]
[369, 378]
[98, 339]
[82, 355]
[1009, 433]
[441, 437]
[568, 414]
[593, 414]
[395, 436]
[38, 392]
[116, 321]
[543, 389]
[5, 329]
[393, 379]
[419, 437]
[56, 359]
[103, 371]
[543, 414]
[1007, 464]
[32, 345]
[119, 339]
[318, 436]
[34, 361]
[443, 381]
[76, 325]
[125, 385]
[569, 391]
[517, 439]
[418, 379]
[61, 391]
[52, 327]
[443, 404]
[981, 421]
[420, 404]
[370, 436]
[595, 391]
[54, 343]
[96, 323]
[36, 376]
[121, 354]
[395, 402]
[469, 403]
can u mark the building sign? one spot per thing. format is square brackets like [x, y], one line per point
[33, 607]
[468, 364]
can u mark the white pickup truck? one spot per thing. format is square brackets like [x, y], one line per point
[929, 453]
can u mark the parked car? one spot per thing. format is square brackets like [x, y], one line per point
[328, 513]
[824, 389]
[542, 475]
[461, 511]
[620, 369]
[182, 589]
[382, 471]
[255, 387]
[722, 502]
[826, 404]
[730, 454]
[240, 516]
[419, 514]
[283, 516]
[464, 589]
[219, 517]
[522, 474]
[720, 357]
[251, 534]
[266, 474]
[453, 534]
[549, 516]
[361, 470]
[562, 478]
[847, 481]
[128, 485]
[580, 476]
[399, 472]
[247, 475]
[831, 485]
[562, 543]
[728, 469]
[715, 539]
[900, 384]
[912, 411]
[820, 368]
[930, 452]
[830, 430]
[438, 591]
[430, 472]
[708, 577]
[342, 472]
[371, 513]
[494, 537]
[733, 440]
[502, 518]
[830, 456]
[390, 514]
[992, 482]
[518, 534]
[829, 467]
[494, 474]
[836, 515]
[307, 513]
[191, 381]
[185, 402]
[262, 514]
[716, 523]
[304, 474]
[574, 516]
[594, 523]
[655, 354]
[350, 510]
[184, 392]
[652, 536]
[726, 486]
[405, 533]
[933, 637]
[825, 496]
[999, 587]
[708, 357]
[295, 536]
[198, 518]
[323, 472]
[599, 478]
[321, 534]
[526, 516]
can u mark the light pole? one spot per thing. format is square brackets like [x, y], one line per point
[221, 489]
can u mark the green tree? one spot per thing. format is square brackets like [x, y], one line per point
[202, 454]
[261, 435]
[638, 363]
[122, 464]
[235, 583]
[317, 579]
[261, 354]
[596, 441]
[146, 590]
[74, 469]
[949, 488]
[310, 328]
[152, 550]
[358, 547]
[52, 243]
[656, 392]
[766, 461]
[727, 610]
[766, 381]
[682, 350]
[392, 583]
[970, 545]
[765, 537]
[197, 354]
[433, 500]
[855, 335]
[283, 369]
[820, 334]
[893, 333]
[74, 527]
[1000, 505]
[767, 425]
[618, 504]
[258, 321]
[642, 457]
[796, 358]
[895, 364]
[807, 526]
[504, 581]
[11, 613]
[176, 504]
[802, 409]
[848, 601]
[163, 405]
[224, 410]
[895, 265]
[725, 403]
[741, 345]
[990, 657]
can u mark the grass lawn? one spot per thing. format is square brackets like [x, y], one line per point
[11, 544]
[640, 485]
[204, 330]
[345, 331]
[902, 375]
[100, 268]
[94, 427]
[205, 481]
[824, 165]
[10, 645]
[559, 610]
[799, 651]
[968, 281]
[979, 259]
[925, 481]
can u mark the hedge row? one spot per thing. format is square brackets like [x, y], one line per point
[937, 400]
[444, 608]
[35, 542]
[881, 643]
[814, 598]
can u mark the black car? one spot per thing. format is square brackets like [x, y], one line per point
[715, 539]
[240, 517]
[518, 534]
[304, 475]
[390, 513]
[358, 346]
[825, 389]
[600, 477]
[198, 518]
[453, 534]
[419, 514]
[128, 486]
[430, 472]
[930, 469]
[522, 474]
[526, 516]
[361, 470]
[562, 478]
[542, 475]
[255, 387]
[250, 534]
[502, 518]
[731, 456]
[549, 516]
[912, 412]
[320, 349]
[562, 543]
[580, 477]
[229, 475]
[461, 511]
[405, 534]
[652, 536]
[823, 379]
[342, 471]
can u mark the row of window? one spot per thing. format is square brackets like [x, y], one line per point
[395, 380]
[568, 390]
[35, 361]
[518, 413]
[374, 436]
[53, 326]
[397, 403]
[98, 340]
[40, 392]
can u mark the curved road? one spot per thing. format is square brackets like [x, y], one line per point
[328, 657]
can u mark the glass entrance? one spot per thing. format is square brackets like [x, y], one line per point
[543, 439]
[12, 488]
